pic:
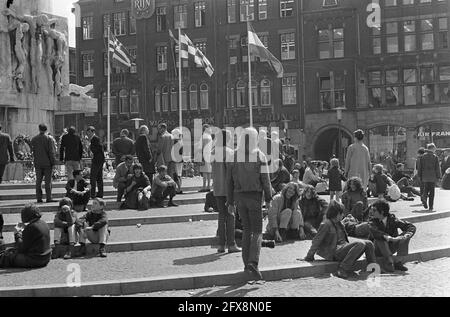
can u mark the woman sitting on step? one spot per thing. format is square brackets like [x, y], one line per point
[137, 193]
[313, 210]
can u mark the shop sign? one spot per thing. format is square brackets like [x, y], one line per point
[433, 134]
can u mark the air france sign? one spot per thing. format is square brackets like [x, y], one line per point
[142, 9]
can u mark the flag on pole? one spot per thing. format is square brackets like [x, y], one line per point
[119, 52]
[257, 48]
[188, 50]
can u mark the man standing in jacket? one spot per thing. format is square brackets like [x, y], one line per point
[5, 148]
[247, 179]
[122, 146]
[165, 144]
[144, 154]
[98, 160]
[44, 160]
[429, 173]
[71, 152]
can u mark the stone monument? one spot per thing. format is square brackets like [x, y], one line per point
[34, 65]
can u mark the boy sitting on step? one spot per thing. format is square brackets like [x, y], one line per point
[79, 191]
[94, 227]
[65, 228]
[163, 186]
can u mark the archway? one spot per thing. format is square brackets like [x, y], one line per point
[327, 144]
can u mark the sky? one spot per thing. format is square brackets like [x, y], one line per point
[63, 8]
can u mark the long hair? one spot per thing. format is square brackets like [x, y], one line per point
[290, 202]
[309, 188]
[358, 183]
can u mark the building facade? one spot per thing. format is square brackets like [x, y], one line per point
[390, 77]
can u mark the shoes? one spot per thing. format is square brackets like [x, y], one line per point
[342, 274]
[50, 201]
[102, 251]
[82, 249]
[160, 205]
[409, 198]
[425, 205]
[172, 204]
[68, 255]
[388, 268]
[221, 250]
[180, 192]
[254, 271]
[40, 201]
[268, 244]
[400, 267]
[234, 249]
[431, 209]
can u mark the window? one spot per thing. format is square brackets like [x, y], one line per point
[266, 98]
[392, 88]
[106, 24]
[120, 23]
[247, 10]
[161, 22]
[375, 100]
[133, 68]
[193, 97]
[408, 2]
[241, 95]
[409, 29]
[88, 65]
[204, 96]
[202, 47]
[88, 28]
[165, 99]
[427, 87]
[184, 98]
[410, 89]
[427, 36]
[180, 16]
[132, 24]
[329, 3]
[113, 102]
[286, 8]
[230, 96]
[443, 33]
[161, 57]
[331, 43]
[184, 61]
[289, 90]
[392, 37]
[390, 3]
[254, 91]
[288, 46]
[173, 99]
[376, 40]
[262, 9]
[157, 100]
[231, 11]
[444, 86]
[124, 105]
[384, 140]
[200, 13]
[134, 101]
[104, 104]
[332, 94]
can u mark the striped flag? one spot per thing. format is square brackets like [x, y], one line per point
[188, 49]
[257, 48]
[119, 52]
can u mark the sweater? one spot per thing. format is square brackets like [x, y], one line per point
[97, 151]
[95, 220]
[335, 177]
[313, 210]
[65, 219]
[35, 240]
[71, 148]
[123, 146]
[378, 230]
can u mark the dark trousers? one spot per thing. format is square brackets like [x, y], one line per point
[97, 180]
[160, 193]
[1, 224]
[226, 224]
[121, 190]
[428, 193]
[2, 171]
[387, 249]
[45, 173]
[12, 259]
[347, 254]
[249, 209]
[148, 170]
[79, 199]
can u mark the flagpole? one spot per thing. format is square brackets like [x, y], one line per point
[109, 98]
[249, 73]
[179, 80]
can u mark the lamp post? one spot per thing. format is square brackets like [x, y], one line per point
[339, 118]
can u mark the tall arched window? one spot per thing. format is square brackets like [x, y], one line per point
[134, 101]
[230, 96]
[157, 100]
[124, 103]
[266, 98]
[254, 93]
[165, 99]
[113, 102]
[104, 104]
[241, 95]
[173, 98]
[386, 141]
[204, 96]
[183, 98]
[193, 97]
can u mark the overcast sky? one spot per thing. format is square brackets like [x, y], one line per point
[63, 8]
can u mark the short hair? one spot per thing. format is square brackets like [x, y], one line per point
[378, 168]
[162, 125]
[129, 157]
[143, 128]
[100, 201]
[76, 173]
[382, 206]
[124, 131]
[334, 162]
[29, 213]
[334, 209]
[91, 128]
[421, 151]
[71, 130]
[359, 134]
[399, 165]
[162, 168]
[66, 201]
[295, 171]
[137, 166]
[42, 127]
[357, 182]
[431, 146]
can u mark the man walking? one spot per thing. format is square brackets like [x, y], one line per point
[247, 179]
[44, 160]
[71, 152]
[98, 160]
[122, 146]
[144, 154]
[429, 173]
[5, 148]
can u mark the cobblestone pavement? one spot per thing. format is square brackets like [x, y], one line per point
[423, 279]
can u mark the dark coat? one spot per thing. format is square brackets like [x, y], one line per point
[43, 151]
[445, 165]
[379, 230]
[428, 170]
[96, 148]
[96, 220]
[65, 219]
[81, 186]
[5, 148]
[335, 177]
[143, 152]
[325, 242]
[71, 148]
[123, 146]
[35, 240]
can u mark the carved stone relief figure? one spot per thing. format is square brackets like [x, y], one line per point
[5, 50]
[19, 50]
[59, 53]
